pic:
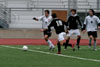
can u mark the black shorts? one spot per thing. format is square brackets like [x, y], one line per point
[92, 33]
[47, 32]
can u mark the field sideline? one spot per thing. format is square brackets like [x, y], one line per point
[40, 56]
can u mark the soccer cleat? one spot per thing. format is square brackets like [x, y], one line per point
[89, 45]
[52, 49]
[95, 49]
[65, 49]
[73, 49]
[59, 53]
[78, 47]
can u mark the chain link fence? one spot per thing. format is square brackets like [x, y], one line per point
[5, 16]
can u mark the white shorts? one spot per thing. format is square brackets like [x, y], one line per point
[61, 36]
[75, 32]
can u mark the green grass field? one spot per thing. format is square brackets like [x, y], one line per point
[40, 56]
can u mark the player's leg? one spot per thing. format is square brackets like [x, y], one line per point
[46, 39]
[47, 34]
[90, 41]
[90, 38]
[61, 38]
[59, 47]
[78, 41]
[94, 38]
[67, 42]
[70, 32]
[94, 43]
[51, 46]
[77, 33]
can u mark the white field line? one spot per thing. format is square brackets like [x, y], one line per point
[98, 48]
[61, 55]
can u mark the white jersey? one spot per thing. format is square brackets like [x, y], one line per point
[91, 23]
[45, 21]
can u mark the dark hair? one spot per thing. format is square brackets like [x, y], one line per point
[47, 11]
[73, 10]
[92, 11]
[54, 15]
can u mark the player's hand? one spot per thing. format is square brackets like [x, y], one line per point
[98, 27]
[84, 31]
[34, 18]
[67, 31]
[41, 30]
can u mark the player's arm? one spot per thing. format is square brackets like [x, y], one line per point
[38, 19]
[67, 25]
[68, 22]
[98, 21]
[67, 29]
[64, 23]
[51, 25]
[79, 21]
[84, 26]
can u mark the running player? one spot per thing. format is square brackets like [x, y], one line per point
[46, 20]
[72, 23]
[91, 25]
[60, 31]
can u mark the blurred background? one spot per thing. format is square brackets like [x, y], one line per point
[16, 15]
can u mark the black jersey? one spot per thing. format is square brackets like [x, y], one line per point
[73, 22]
[58, 25]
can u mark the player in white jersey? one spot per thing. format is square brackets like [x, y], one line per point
[91, 24]
[46, 20]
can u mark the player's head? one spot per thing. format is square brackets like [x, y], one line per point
[91, 12]
[47, 13]
[54, 15]
[73, 11]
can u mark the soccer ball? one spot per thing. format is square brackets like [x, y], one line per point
[25, 48]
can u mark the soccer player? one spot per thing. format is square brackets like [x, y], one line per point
[60, 31]
[91, 25]
[72, 23]
[46, 20]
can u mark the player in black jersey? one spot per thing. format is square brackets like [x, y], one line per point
[72, 23]
[60, 31]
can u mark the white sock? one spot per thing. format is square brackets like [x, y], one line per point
[50, 44]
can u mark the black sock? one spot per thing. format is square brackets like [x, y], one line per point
[59, 47]
[78, 41]
[67, 41]
[64, 44]
[90, 40]
[69, 45]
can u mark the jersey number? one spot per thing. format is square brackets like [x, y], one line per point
[59, 23]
